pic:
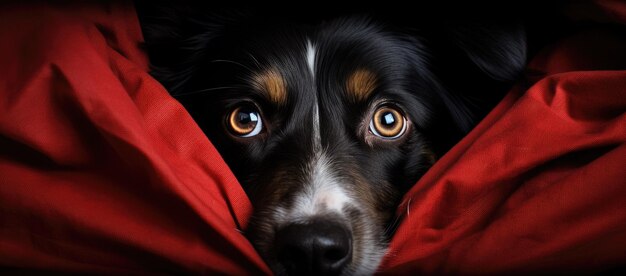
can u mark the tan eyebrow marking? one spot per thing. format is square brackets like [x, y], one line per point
[272, 83]
[361, 84]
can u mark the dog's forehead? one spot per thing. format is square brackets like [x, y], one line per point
[349, 61]
[314, 71]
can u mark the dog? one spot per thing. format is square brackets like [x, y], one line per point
[326, 125]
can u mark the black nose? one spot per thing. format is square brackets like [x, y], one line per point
[319, 247]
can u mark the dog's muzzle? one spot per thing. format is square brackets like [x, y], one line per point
[317, 247]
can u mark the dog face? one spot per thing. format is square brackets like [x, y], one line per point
[326, 127]
[323, 128]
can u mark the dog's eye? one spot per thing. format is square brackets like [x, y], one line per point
[388, 122]
[245, 121]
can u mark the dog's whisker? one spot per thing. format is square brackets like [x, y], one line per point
[392, 226]
[408, 207]
[256, 61]
[233, 62]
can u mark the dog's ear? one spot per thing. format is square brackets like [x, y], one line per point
[499, 50]
[490, 36]
[179, 36]
[478, 61]
[475, 64]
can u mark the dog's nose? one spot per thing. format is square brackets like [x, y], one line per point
[317, 248]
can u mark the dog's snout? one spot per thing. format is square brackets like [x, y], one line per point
[321, 247]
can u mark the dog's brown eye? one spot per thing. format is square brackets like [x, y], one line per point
[245, 121]
[388, 122]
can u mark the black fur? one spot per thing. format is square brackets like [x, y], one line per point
[439, 77]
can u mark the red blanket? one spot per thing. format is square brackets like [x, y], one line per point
[101, 171]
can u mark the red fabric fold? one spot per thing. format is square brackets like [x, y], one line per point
[101, 171]
[538, 185]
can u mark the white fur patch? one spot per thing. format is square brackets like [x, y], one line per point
[323, 193]
[317, 137]
[310, 57]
